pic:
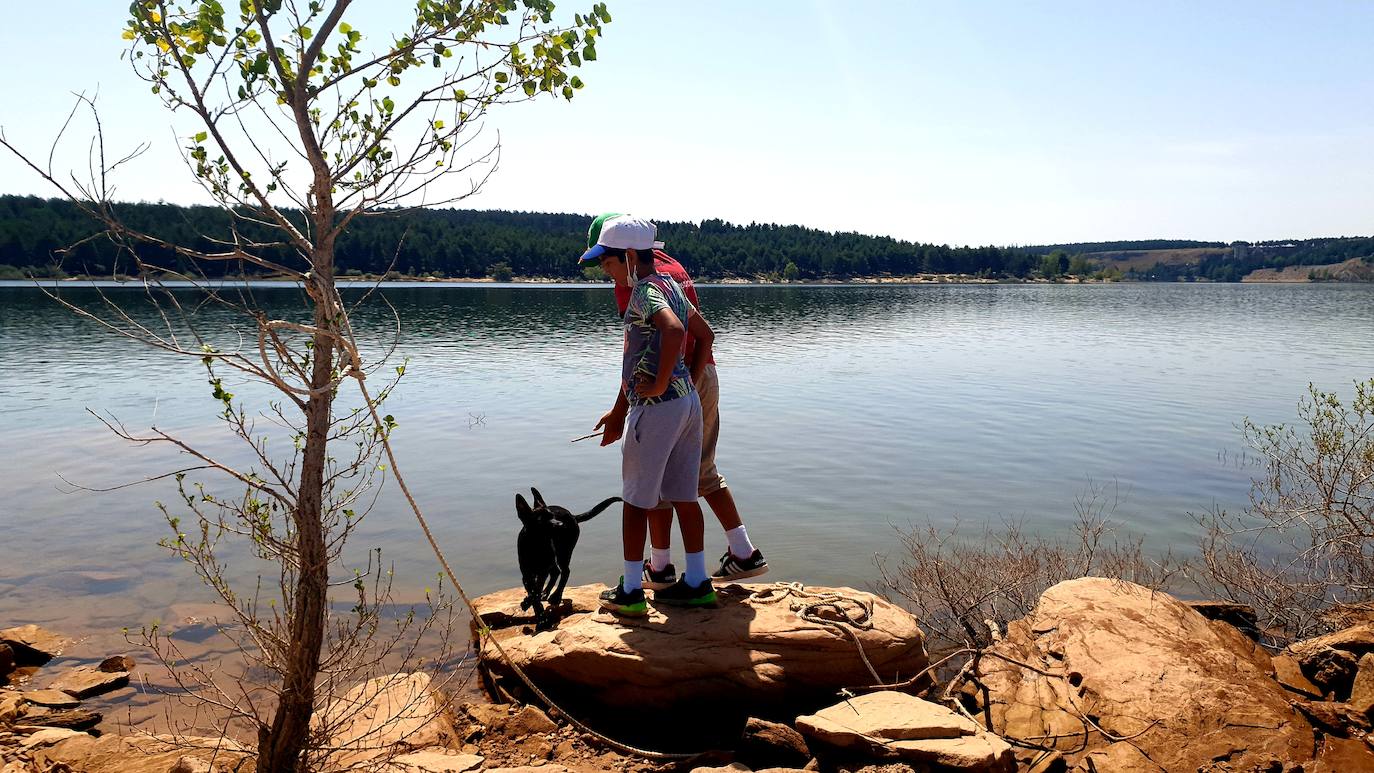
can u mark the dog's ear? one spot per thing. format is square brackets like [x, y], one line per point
[538, 498]
[522, 508]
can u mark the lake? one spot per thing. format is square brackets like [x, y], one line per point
[848, 411]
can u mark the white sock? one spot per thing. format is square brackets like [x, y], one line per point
[634, 576]
[696, 568]
[740, 545]
[659, 558]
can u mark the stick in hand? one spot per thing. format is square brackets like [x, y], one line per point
[588, 437]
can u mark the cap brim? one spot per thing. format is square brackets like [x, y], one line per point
[594, 253]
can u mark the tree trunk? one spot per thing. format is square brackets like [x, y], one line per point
[280, 747]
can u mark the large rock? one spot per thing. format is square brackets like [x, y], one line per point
[33, 645]
[1143, 667]
[893, 725]
[1362, 690]
[7, 664]
[752, 655]
[144, 754]
[382, 714]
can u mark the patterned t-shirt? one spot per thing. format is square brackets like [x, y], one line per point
[642, 340]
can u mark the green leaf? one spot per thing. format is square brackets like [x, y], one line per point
[589, 53]
[530, 88]
[502, 77]
[201, 136]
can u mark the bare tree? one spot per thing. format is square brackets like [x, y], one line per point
[1302, 553]
[302, 125]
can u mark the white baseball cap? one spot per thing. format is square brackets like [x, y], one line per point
[625, 232]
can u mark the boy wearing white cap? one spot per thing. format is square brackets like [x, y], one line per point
[661, 455]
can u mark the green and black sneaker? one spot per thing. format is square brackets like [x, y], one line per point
[680, 594]
[621, 602]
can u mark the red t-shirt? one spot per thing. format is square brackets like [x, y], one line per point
[664, 264]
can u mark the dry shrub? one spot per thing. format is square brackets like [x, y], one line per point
[1302, 553]
[966, 589]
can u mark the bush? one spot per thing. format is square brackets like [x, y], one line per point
[962, 589]
[790, 272]
[501, 272]
[1302, 553]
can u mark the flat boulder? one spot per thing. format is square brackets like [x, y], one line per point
[1101, 660]
[83, 682]
[33, 645]
[894, 725]
[760, 652]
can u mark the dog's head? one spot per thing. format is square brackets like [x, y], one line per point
[530, 516]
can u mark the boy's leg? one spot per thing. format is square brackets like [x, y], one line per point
[742, 559]
[659, 572]
[679, 486]
[649, 432]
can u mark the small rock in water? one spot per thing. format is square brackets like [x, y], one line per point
[78, 719]
[84, 682]
[115, 664]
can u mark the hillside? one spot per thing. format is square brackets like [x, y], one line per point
[1353, 270]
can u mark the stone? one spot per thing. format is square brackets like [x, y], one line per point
[32, 645]
[141, 754]
[11, 707]
[1333, 716]
[7, 663]
[83, 682]
[734, 767]
[438, 761]
[1289, 674]
[1343, 755]
[1357, 639]
[1142, 664]
[529, 720]
[530, 769]
[53, 699]
[983, 753]
[1241, 616]
[1047, 762]
[48, 736]
[186, 764]
[116, 664]
[881, 717]
[752, 655]
[1330, 669]
[1362, 689]
[1119, 757]
[79, 719]
[376, 716]
[487, 714]
[765, 744]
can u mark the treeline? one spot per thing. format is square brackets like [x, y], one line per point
[35, 234]
[53, 237]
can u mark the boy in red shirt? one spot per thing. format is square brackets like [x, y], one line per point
[741, 559]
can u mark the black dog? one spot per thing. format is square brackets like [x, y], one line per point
[548, 534]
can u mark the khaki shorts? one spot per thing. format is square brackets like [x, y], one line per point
[710, 480]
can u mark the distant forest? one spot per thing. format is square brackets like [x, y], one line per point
[35, 232]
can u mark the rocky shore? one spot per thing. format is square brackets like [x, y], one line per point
[1102, 676]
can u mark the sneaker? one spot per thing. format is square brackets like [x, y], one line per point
[732, 568]
[683, 595]
[658, 580]
[621, 602]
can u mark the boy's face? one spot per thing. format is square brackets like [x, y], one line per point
[616, 269]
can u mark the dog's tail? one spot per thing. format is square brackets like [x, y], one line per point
[595, 511]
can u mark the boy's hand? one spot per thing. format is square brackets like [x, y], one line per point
[614, 423]
[648, 386]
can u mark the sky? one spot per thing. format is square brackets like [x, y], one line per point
[960, 123]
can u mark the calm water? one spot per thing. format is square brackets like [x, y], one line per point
[845, 410]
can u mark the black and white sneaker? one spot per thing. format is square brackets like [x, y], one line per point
[658, 580]
[732, 568]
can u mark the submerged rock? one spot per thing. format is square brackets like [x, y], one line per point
[84, 682]
[1141, 666]
[752, 655]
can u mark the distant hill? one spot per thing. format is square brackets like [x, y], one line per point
[1137, 260]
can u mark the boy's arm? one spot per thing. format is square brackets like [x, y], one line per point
[704, 335]
[671, 336]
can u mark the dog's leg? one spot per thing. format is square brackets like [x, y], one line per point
[553, 580]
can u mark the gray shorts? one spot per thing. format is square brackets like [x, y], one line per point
[661, 456]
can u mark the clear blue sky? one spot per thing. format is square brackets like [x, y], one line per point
[957, 122]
